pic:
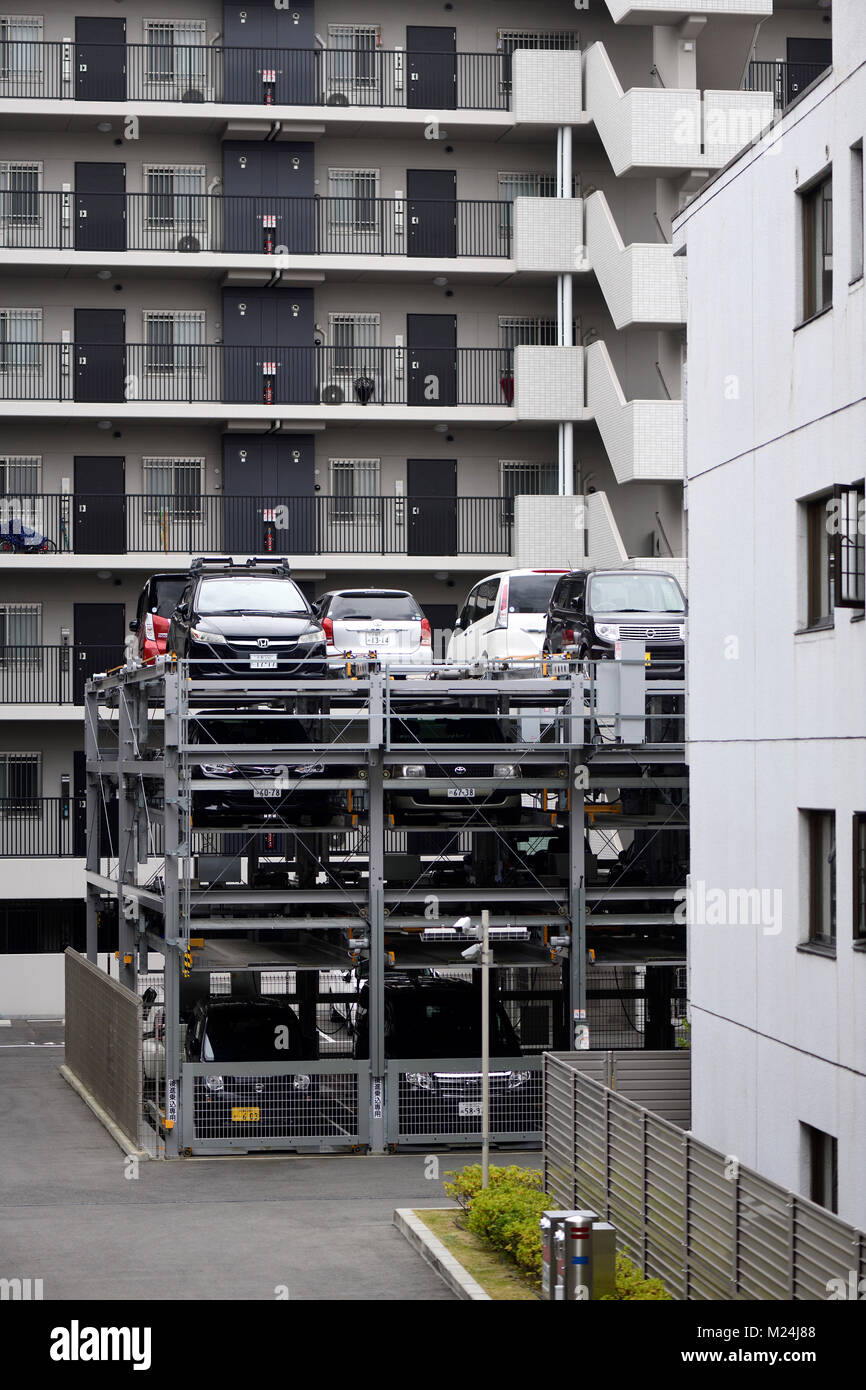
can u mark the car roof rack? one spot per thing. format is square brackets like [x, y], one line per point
[279, 565]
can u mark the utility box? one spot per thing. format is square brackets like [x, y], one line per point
[590, 1257]
[552, 1252]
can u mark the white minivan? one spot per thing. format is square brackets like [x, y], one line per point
[505, 615]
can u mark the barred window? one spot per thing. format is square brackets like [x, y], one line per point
[20, 334]
[174, 487]
[174, 339]
[20, 626]
[354, 487]
[175, 194]
[354, 47]
[530, 185]
[354, 340]
[508, 40]
[847, 520]
[517, 477]
[353, 195]
[20, 474]
[19, 192]
[20, 45]
[516, 331]
[20, 777]
[176, 50]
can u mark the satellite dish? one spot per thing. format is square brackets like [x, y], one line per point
[332, 395]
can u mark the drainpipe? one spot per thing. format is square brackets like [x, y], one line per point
[564, 315]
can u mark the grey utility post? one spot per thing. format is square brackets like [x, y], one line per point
[376, 912]
[127, 789]
[578, 774]
[174, 932]
[92, 815]
[485, 1046]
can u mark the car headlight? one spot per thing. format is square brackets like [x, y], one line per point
[608, 632]
[421, 1080]
[504, 770]
[213, 1083]
[214, 639]
[217, 770]
[412, 770]
[306, 639]
[302, 1082]
[516, 1079]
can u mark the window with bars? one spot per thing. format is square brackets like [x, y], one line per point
[517, 477]
[354, 342]
[353, 62]
[176, 51]
[817, 240]
[20, 474]
[20, 626]
[19, 192]
[354, 488]
[514, 332]
[20, 777]
[525, 185]
[175, 340]
[835, 553]
[175, 195]
[174, 487]
[508, 40]
[353, 194]
[20, 45]
[20, 334]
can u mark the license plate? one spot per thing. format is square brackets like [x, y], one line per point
[461, 793]
[377, 639]
[469, 1108]
[265, 792]
[264, 661]
[241, 1113]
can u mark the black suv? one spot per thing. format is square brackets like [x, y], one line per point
[227, 1031]
[250, 619]
[282, 787]
[591, 610]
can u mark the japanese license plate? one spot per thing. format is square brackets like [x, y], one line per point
[265, 792]
[469, 1108]
[242, 1113]
[461, 793]
[263, 661]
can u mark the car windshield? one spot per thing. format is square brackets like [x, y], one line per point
[374, 606]
[254, 595]
[635, 593]
[530, 593]
[422, 1024]
[424, 730]
[238, 1035]
[168, 592]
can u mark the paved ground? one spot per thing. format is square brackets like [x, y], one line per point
[196, 1228]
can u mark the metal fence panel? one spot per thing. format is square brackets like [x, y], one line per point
[103, 1040]
[273, 1105]
[659, 1081]
[665, 1219]
[824, 1248]
[763, 1238]
[558, 1131]
[438, 1100]
[711, 1200]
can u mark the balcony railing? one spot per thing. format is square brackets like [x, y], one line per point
[195, 222]
[171, 524]
[203, 74]
[46, 827]
[221, 373]
[785, 80]
[40, 675]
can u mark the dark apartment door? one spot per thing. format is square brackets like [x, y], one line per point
[108, 824]
[99, 506]
[100, 59]
[441, 617]
[100, 356]
[806, 60]
[100, 207]
[269, 491]
[269, 192]
[431, 62]
[99, 635]
[432, 211]
[432, 506]
[432, 346]
[269, 356]
[269, 57]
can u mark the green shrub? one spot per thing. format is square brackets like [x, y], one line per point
[632, 1286]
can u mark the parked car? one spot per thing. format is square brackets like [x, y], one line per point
[248, 1030]
[283, 787]
[430, 1016]
[251, 619]
[156, 603]
[458, 795]
[388, 622]
[591, 610]
[504, 616]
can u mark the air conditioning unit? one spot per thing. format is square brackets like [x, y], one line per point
[188, 243]
[338, 99]
[333, 394]
[194, 94]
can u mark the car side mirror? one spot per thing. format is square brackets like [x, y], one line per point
[458, 622]
[134, 625]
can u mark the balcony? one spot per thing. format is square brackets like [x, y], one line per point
[642, 438]
[41, 827]
[43, 675]
[675, 11]
[784, 80]
[195, 223]
[642, 283]
[263, 77]
[154, 525]
[139, 374]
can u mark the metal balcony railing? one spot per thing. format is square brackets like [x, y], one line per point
[785, 80]
[202, 74]
[172, 524]
[221, 373]
[40, 827]
[46, 675]
[196, 222]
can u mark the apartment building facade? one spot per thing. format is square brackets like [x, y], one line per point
[410, 283]
[777, 532]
